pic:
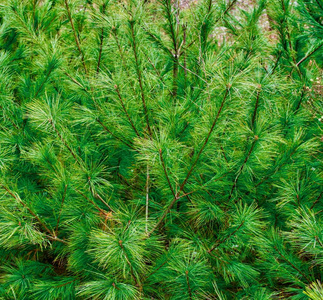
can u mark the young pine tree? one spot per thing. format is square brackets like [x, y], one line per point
[154, 151]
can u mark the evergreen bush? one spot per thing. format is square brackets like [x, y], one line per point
[151, 151]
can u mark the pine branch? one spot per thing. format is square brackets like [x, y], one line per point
[184, 53]
[188, 70]
[153, 272]
[11, 121]
[291, 49]
[125, 111]
[98, 120]
[66, 283]
[219, 242]
[96, 195]
[188, 285]
[76, 82]
[185, 48]
[97, 207]
[317, 200]
[309, 55]
[65, 143]
[155, 69]
[158, 42]
[158, 73]
[292, 265]
[319, 4]
[114, 33]
[210, 6]
[182, 186]
[243, 165]
[75, 35]
[301, 98]
[165, 172]
[100, 50]
[147, 198]
[17, 198]
[116, 137]
[101, 43]
[60, 211]
[175, 55]
[134, 48]
[43, 82]
[230, 6]
[137, 283]
[168, 9]
[206, 140]
[280, 53]
[256, 107]
[34, 9]
[277, 169]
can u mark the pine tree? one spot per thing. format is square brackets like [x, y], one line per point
[152, 151]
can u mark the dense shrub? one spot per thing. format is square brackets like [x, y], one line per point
[149, 151]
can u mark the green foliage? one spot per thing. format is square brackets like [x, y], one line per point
[314, 291]
[154, 151]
